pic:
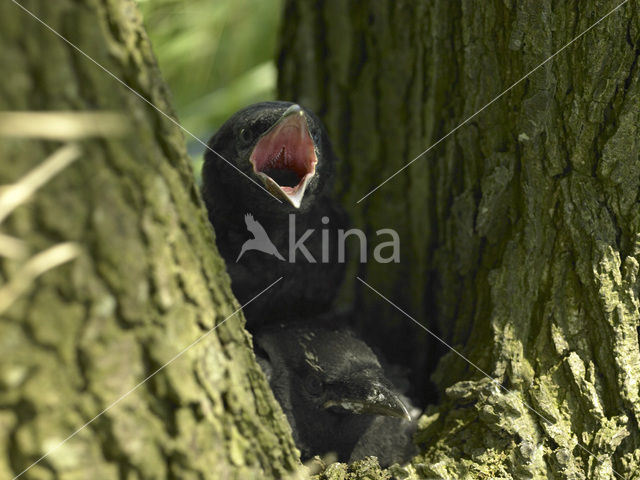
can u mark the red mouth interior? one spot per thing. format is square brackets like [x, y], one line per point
[286, 153]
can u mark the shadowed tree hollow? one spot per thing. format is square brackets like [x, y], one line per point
[520, 242]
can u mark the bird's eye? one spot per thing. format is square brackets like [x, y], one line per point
[314, 385]
[246, 136]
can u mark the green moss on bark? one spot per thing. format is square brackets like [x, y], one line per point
[519, 231]
[148, 283]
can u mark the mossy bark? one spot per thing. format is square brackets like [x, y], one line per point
[149, 280]
[520, 232]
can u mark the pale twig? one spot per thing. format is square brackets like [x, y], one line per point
[11, 247]
[19, 192]
[140, 96]
[63, 125]
[33, 268]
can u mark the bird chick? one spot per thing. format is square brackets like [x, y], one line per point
[335, 394]
[273, 160]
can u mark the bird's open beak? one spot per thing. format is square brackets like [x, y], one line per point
[372, 398]
[285, 157]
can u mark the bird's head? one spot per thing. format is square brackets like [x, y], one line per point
[330, 384]
[281, 146]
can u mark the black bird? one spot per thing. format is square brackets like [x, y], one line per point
[273, 160]
[335, 393]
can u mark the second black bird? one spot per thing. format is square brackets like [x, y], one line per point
[335, 393]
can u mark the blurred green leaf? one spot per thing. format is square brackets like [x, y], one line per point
[216, 56]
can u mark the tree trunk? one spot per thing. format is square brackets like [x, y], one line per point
[520, 232]
[147, 281]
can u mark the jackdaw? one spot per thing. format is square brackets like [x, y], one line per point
[335, 394]
[267, 192]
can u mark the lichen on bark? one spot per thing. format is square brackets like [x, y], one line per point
[519, 231]
[148, 283]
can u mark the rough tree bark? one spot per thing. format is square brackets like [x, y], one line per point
[521, 231]
[147, 283]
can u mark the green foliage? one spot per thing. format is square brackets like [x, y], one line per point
[216, 56]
